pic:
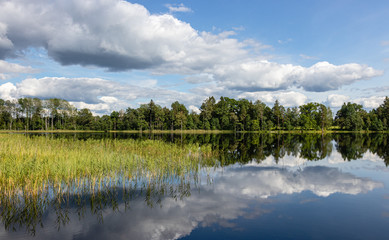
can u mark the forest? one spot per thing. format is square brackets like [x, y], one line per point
[224, 114]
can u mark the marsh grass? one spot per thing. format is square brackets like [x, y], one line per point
[41, 172]
[33, 164]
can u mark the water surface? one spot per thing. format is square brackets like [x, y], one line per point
[259, 187]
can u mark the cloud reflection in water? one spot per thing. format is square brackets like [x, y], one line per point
[230, 196]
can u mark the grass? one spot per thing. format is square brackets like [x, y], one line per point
[40, 172]
[30, 165]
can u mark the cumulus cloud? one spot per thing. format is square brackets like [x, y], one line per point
[287, 99]
[114, 34]
[256, 75]
[377, 89]
[265, 75]
[109, 100]
[199, 78]
[194, 109]
[337, 100]
[370, 102]
[118, 35]
[72, 89]
[5, 44]
[99, 95]
[8, 69]
[105, 105]
[324, 76]
[8, 91]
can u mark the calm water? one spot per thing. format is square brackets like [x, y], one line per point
[262, 187]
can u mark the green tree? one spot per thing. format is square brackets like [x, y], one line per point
[383, 113]
[376, 123]
[278, 113]
[349, 117]
[324, 117]
[36, 118]
[114, 119]
[85, 119]
[222, 112]
[180, 115]
[258, 112]
[309, 116]
[207, 110]
[244, 107]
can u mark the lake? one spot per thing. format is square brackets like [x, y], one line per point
[255, 186]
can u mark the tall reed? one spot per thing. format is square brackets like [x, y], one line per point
[30, 164]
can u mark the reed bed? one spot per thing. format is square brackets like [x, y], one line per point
[38, 173]
[30, 165]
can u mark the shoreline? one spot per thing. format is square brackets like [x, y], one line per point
[197, 131]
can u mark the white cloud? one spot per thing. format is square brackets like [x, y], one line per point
[93, 107]
[324, 76]
[215, 90]
[108, 99]
[72, 89]
[337, 100]
[99, 95]
[194, 109]
[287, 99]
[106, 106]
[119, 35]
[255, 75]
[370, 102]
[8, 91]
[8, 69]
[199, 78]
[178, 8]
[265, 75]
[114, 34]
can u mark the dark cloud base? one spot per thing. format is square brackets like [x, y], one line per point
[113, 62]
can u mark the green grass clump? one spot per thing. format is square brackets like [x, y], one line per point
[34, 164]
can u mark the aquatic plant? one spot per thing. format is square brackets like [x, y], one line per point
[30, 164]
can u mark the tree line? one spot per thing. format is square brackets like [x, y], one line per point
[224, 114]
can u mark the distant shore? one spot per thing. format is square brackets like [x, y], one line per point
[198, 131]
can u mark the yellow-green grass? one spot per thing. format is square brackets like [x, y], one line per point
[29, 165]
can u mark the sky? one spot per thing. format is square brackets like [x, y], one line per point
[109, 55]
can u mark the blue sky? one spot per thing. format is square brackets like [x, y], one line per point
[109, 54]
